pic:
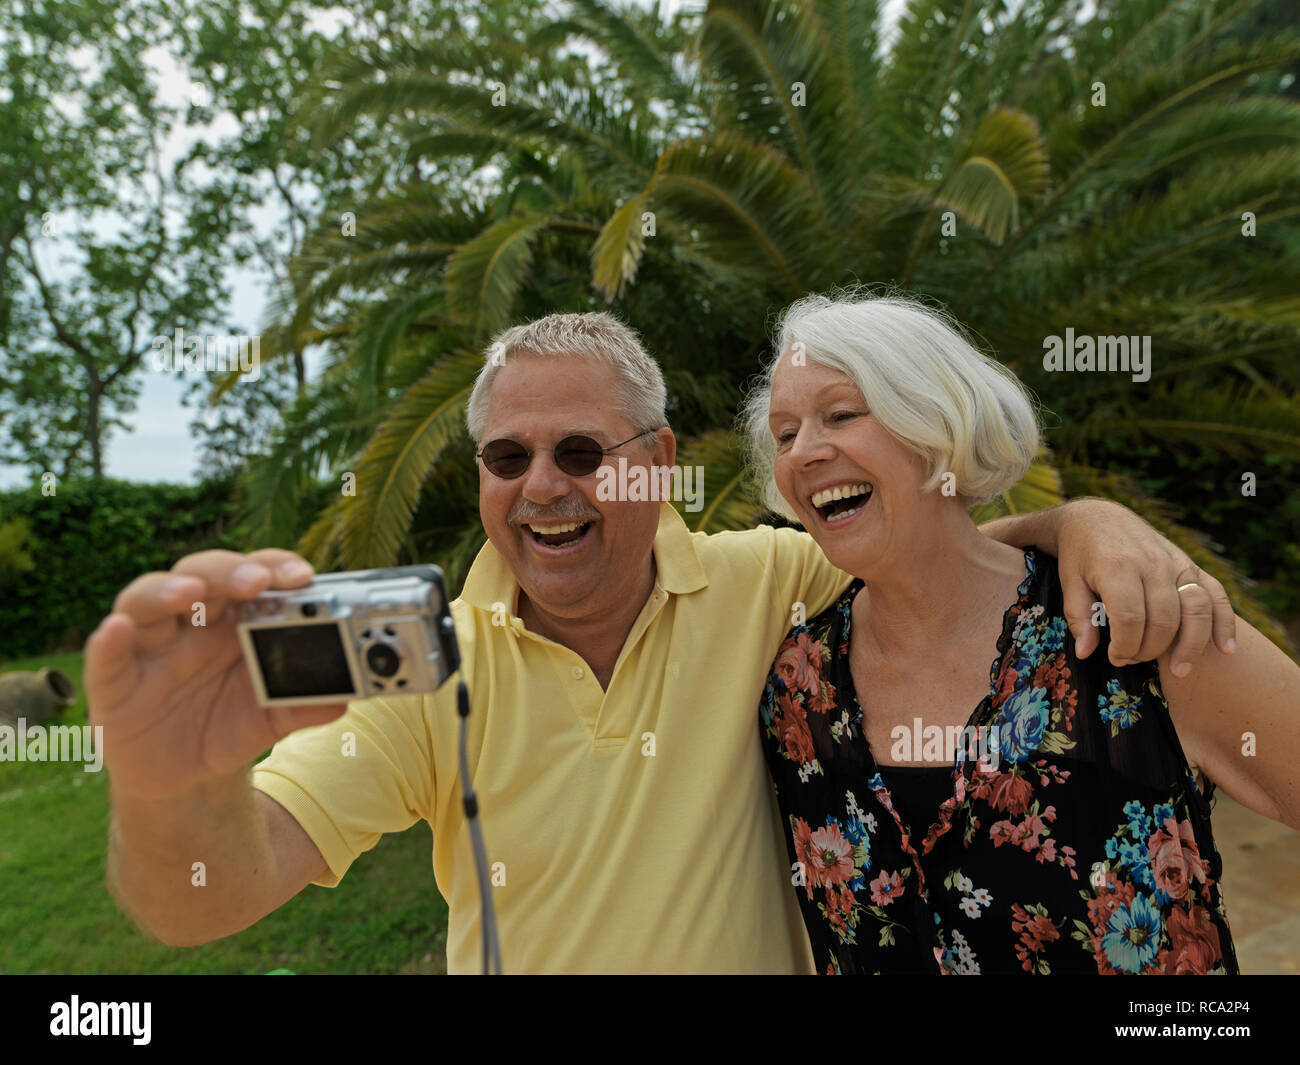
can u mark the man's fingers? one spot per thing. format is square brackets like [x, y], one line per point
[1120, 592]
[1164, 615]
[151, 612]
[111, 670]
[156, 596]
[1225, 618]
[212, 577]
[1194, 633]
[1087, 641]
[210, 653]
[229, 574]
[1077, 606]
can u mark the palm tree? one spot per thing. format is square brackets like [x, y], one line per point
[1029, 168]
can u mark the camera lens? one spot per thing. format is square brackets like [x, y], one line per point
[382, 659]
[309, 610]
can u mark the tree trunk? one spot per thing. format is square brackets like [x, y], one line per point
[93, 432]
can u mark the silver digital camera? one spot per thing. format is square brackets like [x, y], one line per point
[350, 636]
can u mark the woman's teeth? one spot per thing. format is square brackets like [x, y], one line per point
[820, 499]
[832, 504]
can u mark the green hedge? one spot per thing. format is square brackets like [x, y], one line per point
[67, 555]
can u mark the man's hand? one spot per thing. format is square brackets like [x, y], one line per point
[175, 700]
[1107, 553]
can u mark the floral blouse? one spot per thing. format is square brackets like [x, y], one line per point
[1072, 839]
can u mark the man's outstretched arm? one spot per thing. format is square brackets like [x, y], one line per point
[1153, 592]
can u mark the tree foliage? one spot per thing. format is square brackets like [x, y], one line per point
[1121, 168]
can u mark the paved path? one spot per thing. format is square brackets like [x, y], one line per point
[1261, 887]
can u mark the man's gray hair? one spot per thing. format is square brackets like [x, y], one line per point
[595, 335]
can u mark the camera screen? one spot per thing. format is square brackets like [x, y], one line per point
[302, 660]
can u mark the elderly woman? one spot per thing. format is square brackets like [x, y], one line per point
[1046, 814]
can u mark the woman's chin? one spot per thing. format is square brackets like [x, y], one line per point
[859, 563]
[852, 554]
[844, 538]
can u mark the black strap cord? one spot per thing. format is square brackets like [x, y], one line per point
[491, 942]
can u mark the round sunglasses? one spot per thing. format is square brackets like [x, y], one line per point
[576, 455]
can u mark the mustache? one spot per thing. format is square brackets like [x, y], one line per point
[571, 509]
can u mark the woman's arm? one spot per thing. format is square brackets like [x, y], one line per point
[1238, 719]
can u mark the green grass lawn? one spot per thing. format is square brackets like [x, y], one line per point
[56, 915]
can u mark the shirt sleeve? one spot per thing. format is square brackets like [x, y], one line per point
[352, 780]
[805, 575]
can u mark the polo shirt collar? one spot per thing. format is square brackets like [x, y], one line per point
[680, 571]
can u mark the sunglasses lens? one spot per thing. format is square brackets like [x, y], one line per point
[505, 458]
[578, 455]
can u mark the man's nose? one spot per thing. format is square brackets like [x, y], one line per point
[544, 481]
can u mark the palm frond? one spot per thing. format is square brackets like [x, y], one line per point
[742, 202]
[366, 529]
[724, 500]
[485, 274]
[1150, 102]
[317, 429]
[641, 45]
[761, 48]
[1006, 165]
[617, 252]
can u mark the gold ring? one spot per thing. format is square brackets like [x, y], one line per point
[1192, 585]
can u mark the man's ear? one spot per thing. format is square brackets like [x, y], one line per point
[665, 447]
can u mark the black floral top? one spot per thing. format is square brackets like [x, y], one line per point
[1062, 831]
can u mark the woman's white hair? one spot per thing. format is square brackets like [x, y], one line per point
[595, 335]
[922, 380]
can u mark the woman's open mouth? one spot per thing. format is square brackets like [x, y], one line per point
[841, 503]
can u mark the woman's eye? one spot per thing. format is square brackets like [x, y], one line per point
[843, 415]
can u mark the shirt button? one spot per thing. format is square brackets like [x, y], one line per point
[577, 673]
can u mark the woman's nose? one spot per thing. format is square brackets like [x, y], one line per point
[810, 444]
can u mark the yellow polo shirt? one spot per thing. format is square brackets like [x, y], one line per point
[630, 830]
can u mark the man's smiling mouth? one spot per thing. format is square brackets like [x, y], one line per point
[557, 534]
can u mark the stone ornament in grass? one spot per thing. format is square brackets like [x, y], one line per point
[37, 697]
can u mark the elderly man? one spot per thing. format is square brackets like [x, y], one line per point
[615, 661]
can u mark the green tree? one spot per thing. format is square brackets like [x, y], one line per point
[1032, 167]
[102, 246]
